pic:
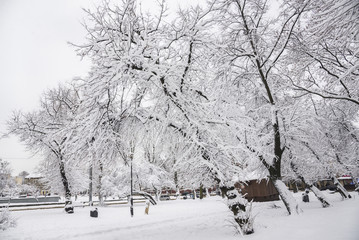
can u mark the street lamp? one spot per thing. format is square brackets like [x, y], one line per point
[92, 155]
[131, 196]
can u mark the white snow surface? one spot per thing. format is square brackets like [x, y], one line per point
[192, 219]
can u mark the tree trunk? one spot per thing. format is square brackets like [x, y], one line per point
[99, 186]
[207, 193]
[177, 186]
[238, 205]
[64, 180]
[287, 197]
[320, 196]
[157, 194]
[90, 187]
[340, 188]
[201, 192]
[295, 187]
[275, 169]
[68, 204]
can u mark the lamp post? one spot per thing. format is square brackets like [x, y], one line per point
[92, 155]
[90, 187]
[131, 196]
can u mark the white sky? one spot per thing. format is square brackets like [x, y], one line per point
[34, 56]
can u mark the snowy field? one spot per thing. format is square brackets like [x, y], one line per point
[191, 219]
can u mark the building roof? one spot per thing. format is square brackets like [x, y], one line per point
[33, 176]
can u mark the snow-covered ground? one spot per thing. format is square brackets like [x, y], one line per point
[191, 219]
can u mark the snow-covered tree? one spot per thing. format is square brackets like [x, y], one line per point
[327, 48]
[317, 145]
[156, 71]
[41, 131]
[23, 174]
[6, 220]
[6, 181]
[255, 47]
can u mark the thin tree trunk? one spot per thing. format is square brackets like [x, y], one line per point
[207, 193]
[340, 188]
[320, 196]
[90, 187]
[157, 194]
[295, 187]
[287, 197]
[201, 191]
[176, 184]
[99, 186]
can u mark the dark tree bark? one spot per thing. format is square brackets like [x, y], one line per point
[236, 202]
[90, 185]
[99, 186]
[238, 205]
[64, 180]
[201, 191]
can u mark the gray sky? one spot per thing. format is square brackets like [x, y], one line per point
[34, 56]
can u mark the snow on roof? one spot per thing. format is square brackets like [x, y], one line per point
[34, 176]
[250, 175]
[343, 178]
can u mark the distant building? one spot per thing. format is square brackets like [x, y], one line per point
[19, 180]
[33, 180]
[38, 182]
[348, 182]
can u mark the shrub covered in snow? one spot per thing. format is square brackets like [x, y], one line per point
[6, 220]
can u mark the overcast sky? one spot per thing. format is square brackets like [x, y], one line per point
[34, 56]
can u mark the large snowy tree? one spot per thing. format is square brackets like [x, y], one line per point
[159, 73]
[255, 47]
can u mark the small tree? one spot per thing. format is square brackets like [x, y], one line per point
[41, 131]
[6, 182]
[23, 174]
[6, 220]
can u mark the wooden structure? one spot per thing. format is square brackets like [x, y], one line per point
[347, 182]
[258, 190]
[295, 185]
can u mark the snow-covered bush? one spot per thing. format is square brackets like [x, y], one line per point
[242, 210]
[6, 220]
